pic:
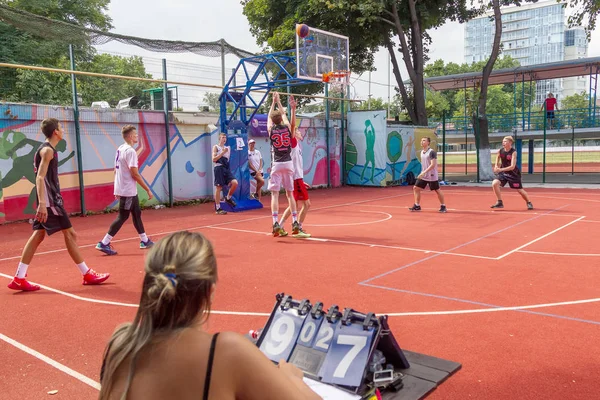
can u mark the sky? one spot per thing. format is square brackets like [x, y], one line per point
[201, 21]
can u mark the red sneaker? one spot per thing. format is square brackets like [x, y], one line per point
[93, 278]
[22, 284]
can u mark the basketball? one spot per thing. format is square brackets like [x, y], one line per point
[302, 30]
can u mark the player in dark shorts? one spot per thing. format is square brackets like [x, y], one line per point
[506, 171]
[51, 216]
[428, 176]
[223, 175]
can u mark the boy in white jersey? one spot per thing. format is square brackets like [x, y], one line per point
[428, 176]
[300, 188]
[127, 177]
[255, 163]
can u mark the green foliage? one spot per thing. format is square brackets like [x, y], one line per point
[501, 98]
[54, 88]
[585, 14]
[578, 100]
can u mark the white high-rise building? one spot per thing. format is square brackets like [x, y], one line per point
[532, 34]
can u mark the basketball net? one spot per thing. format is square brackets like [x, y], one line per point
[339, 80]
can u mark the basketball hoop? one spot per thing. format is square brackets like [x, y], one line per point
[338, 80]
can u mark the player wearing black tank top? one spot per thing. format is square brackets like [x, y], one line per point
[51, 216]
[507, 172]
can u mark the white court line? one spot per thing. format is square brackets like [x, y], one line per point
[590, 220]
[560, 254]
[205, 226]
[540, 238]
[53, 363]
[495, 309]
[533, 196]
[358, 223]
[257, 314]
[497, 212]
[131, 305]
[363, 244]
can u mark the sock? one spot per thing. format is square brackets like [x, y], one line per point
[300, 223]
[417, 204]
[22, 270]
[275, 216]
[143, 237]
[295, 216]
[107, 239]
[83, 268]
[443, 205]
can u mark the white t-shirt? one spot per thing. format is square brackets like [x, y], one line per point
[126, 158]
[254, 158]
[297, 161]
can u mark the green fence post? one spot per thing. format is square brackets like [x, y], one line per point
[343, 144]
[573, 150]
[544, 155]
[77, 132]
[477, 133]
[443, 146]
[327, 133]
[167, 133]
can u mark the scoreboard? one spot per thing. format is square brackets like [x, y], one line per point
[334, 347]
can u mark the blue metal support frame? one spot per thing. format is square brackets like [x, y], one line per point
[274, 70]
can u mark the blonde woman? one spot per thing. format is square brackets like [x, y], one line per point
[165, 353]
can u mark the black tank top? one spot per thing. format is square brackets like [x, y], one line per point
[281, 143]
[51, 182]
[211, 356]
[506, 159]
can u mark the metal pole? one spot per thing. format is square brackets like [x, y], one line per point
[530, 101]
[544, 155]
[167, 134]
[369, 101]
[443, 146]
[522, 103]
[466, 144]
[222, 63]
[389, 83]
[327, 133]
[573, 151]
[77, 133]
[343, 144]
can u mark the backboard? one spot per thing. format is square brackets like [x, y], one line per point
[321, 52]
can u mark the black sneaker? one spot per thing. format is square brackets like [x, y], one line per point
[220, 211]
[415, 208]
[529, 205]
[295, 228]
[443, 209]
[276, 229]
[498, 205]
[230, 201]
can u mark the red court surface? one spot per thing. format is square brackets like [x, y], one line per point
[510, 294]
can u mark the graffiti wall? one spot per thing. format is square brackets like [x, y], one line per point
[382, 155]
[314, 151]
[100, 131]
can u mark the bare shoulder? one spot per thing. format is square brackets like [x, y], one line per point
[234, 343]
[47, 153]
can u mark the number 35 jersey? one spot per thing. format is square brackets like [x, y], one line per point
[281, 143]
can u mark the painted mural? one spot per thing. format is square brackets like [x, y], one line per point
[100, 132]
[382, 155]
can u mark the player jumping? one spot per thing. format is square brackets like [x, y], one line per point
[282, 170]
[300, 190]
[51, 216]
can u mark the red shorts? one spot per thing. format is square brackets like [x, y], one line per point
[300, 191]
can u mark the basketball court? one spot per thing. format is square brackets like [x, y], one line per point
[510, 294]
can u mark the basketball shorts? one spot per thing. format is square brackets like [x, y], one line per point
[129, 203]
[223, 176]
[300, 191]
[433, 185]
[282, 175]
[58, 220]
[514, 181]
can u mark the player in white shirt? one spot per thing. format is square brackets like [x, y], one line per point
[255, 163]
[300, 188]
[127, 177]
[428, 176]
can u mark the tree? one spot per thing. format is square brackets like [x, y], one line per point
[585, 14]
[212, 99]
[55, 88]
[20, 47]
[370, 24]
